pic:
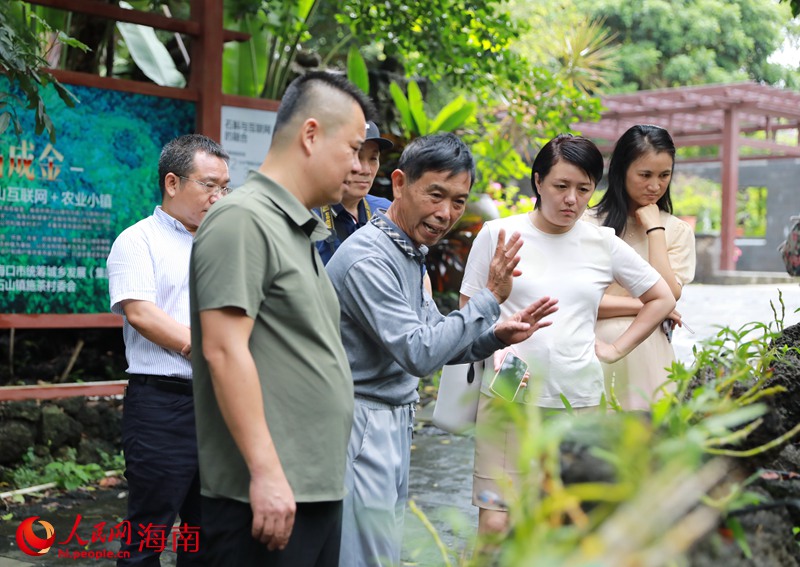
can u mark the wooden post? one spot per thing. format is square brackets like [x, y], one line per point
[207, 66]
[730, 186]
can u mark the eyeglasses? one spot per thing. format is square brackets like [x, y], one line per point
[211, 188]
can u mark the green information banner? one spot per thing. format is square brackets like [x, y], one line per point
[62, 204]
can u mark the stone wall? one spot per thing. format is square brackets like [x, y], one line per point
[51, 426]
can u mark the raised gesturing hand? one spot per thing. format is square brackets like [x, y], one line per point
[503, 267]
[526, 322]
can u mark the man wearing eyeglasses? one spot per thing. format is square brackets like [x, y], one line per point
[148, 276]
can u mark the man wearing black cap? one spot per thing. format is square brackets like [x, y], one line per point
[357, 204]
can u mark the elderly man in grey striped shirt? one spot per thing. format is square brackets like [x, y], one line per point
[148, 277]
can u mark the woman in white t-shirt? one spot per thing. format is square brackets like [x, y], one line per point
[573, 261]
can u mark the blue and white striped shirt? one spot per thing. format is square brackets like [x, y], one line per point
[149, 261]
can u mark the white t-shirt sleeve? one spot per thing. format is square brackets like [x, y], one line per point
[476, 272]
[629, 269]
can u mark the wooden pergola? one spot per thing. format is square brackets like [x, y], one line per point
[726, 116]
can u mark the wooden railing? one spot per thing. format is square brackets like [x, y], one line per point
[56, 391]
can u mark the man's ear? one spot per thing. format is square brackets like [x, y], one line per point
[171, 183]
[398, 183]
[309, 134]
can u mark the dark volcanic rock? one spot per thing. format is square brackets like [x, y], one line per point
[59, 429]
[15, 438]
[28, 410]
[768, 526]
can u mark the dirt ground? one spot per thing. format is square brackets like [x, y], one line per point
[76, 516]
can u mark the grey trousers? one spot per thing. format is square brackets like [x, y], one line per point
[378, 459]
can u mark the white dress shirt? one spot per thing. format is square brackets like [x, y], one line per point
[149, 261]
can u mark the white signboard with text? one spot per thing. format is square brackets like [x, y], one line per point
[246, 135]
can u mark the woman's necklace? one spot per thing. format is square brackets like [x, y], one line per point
[631, 231]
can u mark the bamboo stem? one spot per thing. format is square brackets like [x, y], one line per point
[251, 46]
[11, 338]
[283, 70]
[65, 47]
[45, 486]
[72, 359]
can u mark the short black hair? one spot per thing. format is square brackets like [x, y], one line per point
[577, 150]
[436, 152]
[177, 156]
[298, 93]
[633, 144]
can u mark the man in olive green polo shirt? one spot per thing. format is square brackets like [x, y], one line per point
[273, 390]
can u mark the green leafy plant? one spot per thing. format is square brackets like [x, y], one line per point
[64, 472]
[499, 164]
[706, 42]
[414, 118]
[22, 33]
[587, 55]
[262, 66]
[30, 472]
[150, 54]
[697, 197]
[477, 38]
[115, 462]
[652, 475]
[70, 475]
[509, 201]
[357, 69]
[751, 213]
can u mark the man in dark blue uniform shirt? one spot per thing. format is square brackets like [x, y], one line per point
[357, 204]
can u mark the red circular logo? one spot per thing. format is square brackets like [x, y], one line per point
[32, 544]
